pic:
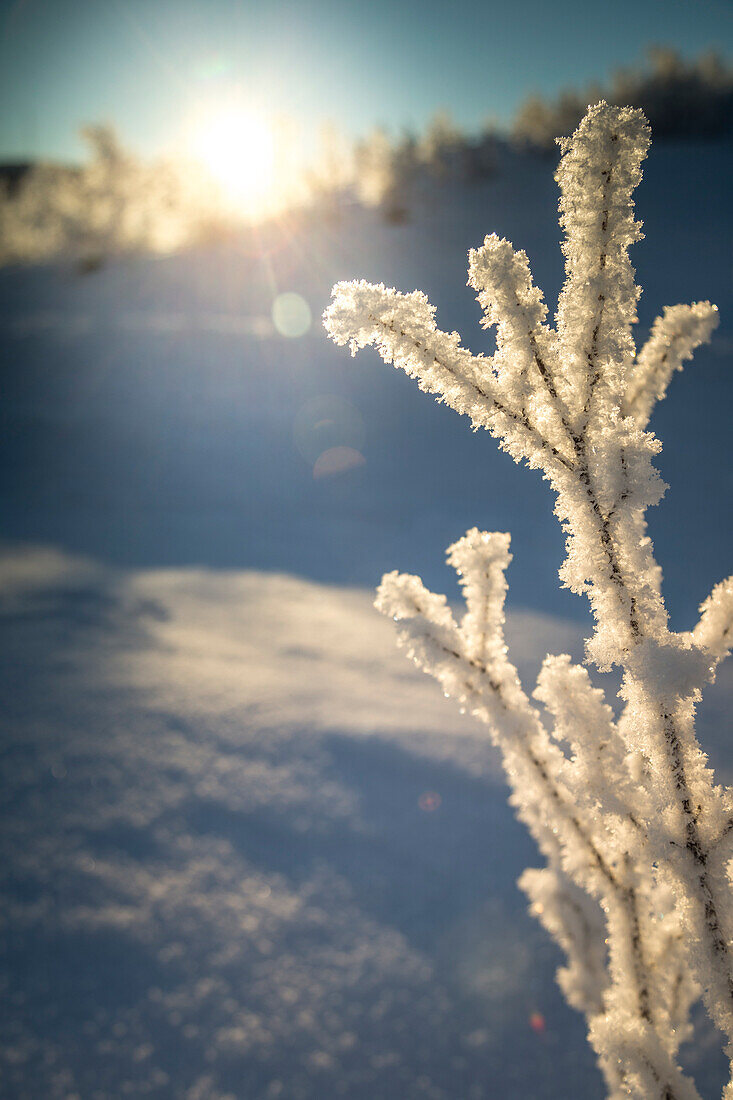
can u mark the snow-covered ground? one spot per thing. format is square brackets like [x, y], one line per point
[247, 850]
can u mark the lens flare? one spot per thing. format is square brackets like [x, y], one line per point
[291, 315]
[337, 460]
[429, 801]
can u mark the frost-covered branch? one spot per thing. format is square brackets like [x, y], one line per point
[626, 812]
[714, 631]
[673, 339]
[577, 922]
[584, 830]
[599, 170]
[402, 328]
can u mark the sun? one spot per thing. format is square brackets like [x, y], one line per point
[237, 149]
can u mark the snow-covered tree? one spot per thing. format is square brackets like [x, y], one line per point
[443, 148]
[637, 837]
[112, 204]
[385, 173]
[328, 180]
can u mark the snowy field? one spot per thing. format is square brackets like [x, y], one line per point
[248, 852]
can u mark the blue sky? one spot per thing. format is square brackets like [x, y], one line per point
[147, 65]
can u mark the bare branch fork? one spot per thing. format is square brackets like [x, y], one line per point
[636, 888]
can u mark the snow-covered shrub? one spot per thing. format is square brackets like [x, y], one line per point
[637, 837]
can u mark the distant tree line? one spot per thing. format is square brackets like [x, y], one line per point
[116, 203]
[681, 99]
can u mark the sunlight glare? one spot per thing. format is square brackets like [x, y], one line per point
[237, 149]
